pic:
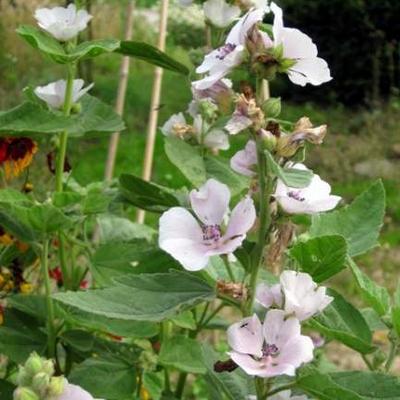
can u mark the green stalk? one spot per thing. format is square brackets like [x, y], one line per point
[60, 167]
[265, 221]
[392, 356]
[51, 336]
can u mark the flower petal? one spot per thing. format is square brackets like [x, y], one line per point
[268, 296]
[74, 392]
[181, 236]
[243, 161]
[310, 70]
[242, 218]
[246, 336]
[248, 363]
[211, 202]
[297, 351]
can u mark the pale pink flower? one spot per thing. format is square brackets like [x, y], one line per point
[243, 161]
[297, 294]
[274, 348]
[297, 46]
[284, 395]
[312, 199]
[74, 392]
[220, 13]
[222, 60]
[193, 239]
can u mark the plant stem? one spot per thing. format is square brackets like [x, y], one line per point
[367, 362]
[265, 221]
[51, 337]
[165, 333]
[392, 356]
[260, 392]
[62, 151]
[229, 269]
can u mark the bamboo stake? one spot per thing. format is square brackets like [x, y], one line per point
[155, 104]
[122, 87]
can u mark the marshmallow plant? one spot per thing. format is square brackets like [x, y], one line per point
[245, 241]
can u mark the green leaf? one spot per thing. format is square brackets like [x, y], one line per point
[343, 322]
[219, 169]
[51, 47]
[95, 117]
[396, 310]
[182, 353]
[93, 48]
[296, 178]
[374, 295]
[31, 119]
[234, 385]
[79, 339]
[117, 229]
[20, 335]
[13, 196]
[118, 259]
[146, 195]
[185, 320]
[44, 42]
[108, 377]
[152, 55]
[33, 222]
[321, 257]
[113, 326]
[147, 297]
[187, 159]
[153, 382]
[359, 223]
[351, 385]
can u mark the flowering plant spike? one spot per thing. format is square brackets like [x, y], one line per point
[227, 291]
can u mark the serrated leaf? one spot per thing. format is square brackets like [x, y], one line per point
[359, 223]
[146, 195]
[152, 55]
[374, 295]
[295, 178]
[343, 322]
[351, 385]
[106, 377]
[182, 353]
[147, 297]
[321, 257]
[187, 159]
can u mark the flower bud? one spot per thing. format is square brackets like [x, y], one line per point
[40, 382]
[269, 139]
[56, 386]
[25, 394]
[76, 108]
[272, 107]
[24, 378]
[34, 364]
[379, 358]
[208, 109]
[48, 367]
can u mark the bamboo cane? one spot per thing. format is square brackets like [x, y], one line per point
[122, 87]
[155, 103]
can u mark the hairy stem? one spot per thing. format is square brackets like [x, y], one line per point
[62, 151]
[264, 222]
[51, 336]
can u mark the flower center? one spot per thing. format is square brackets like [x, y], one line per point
[296, 195]
[225, 50]
[211, 232]
[269, 350]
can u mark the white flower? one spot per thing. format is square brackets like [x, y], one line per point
[221, 61]
[284, 395]
[299, 47]
[54, 93]
[63, 23]
[220, 13]
[192, 240]
[297, 293]
[243, 161]
[312, 199]
[174, 122]
[74, 392]
[270, 349]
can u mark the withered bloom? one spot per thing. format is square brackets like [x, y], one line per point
[303, 132]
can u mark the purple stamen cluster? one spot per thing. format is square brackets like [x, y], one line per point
[225, 50]
[211, 232]
[295, 195]
[269, 350]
